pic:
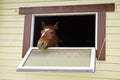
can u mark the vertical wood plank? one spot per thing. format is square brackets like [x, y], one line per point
[101, 36]
[27, 32]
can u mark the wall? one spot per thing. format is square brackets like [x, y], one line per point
[11, 39]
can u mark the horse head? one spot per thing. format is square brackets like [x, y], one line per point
[48, 36]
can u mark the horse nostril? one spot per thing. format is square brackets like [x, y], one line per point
[41, 45]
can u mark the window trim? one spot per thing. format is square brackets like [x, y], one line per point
[100, 8]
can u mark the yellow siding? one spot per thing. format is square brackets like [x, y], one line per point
[11, 38]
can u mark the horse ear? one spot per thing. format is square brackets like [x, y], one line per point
[43, 24]
[56, 25]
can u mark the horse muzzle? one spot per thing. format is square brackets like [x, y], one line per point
[41, 45]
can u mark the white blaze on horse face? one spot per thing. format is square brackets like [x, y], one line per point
[44, 32]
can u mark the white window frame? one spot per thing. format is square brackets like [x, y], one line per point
[91, 68]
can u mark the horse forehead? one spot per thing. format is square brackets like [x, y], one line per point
[45, 31]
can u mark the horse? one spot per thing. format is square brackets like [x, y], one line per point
[48, 36]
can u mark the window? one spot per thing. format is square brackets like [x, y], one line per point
[71, 28]
[100, 8]
[94, 45]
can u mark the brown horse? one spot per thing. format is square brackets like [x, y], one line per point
[48, 36]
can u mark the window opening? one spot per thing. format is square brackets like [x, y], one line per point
[74, 30]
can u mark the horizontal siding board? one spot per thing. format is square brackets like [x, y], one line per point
[17, 30]
[8, 12]
[4, 43]
[64, 77]
[113, 23]
[13, 37]
[113, 52]
[113, 30]
[9, 62]
[10, 49]
[100, 75]
[7, 69]
[11, 18]
[10, 55]
[26, 1]
[100, 67]
[113, 45]
[77, 76]
[113, 37]
[19, 76]
[112, 59]
[13, 76]
[108, 67]
[12, 24]
[14, 5]
[117, 8]
[113, 15]
[15, 1]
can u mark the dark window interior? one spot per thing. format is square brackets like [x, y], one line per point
[73, 30]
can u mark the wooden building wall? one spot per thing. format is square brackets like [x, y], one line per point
[11, 39]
